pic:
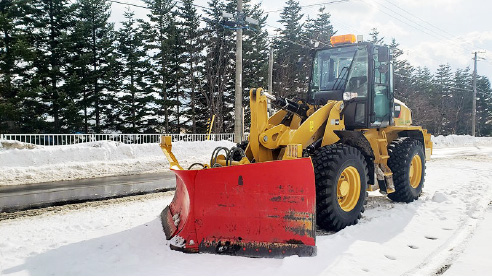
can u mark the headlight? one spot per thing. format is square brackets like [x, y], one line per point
[349, 95]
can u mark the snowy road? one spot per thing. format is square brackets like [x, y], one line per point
[438, 232]
[21, 197]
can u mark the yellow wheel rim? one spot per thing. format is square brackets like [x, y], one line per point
[415, 174]
[348, 188]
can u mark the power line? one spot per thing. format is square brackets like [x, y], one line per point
[311, 5]
[129, 4]
[418, 18]
[196, 5]
[145, 7]
[324, 3]
[337, 1]
[206, 8]
[414, 22]
[301, 35]
[410, 55]
[407, 23]
[451, 36]
[349, 27]
[433, 32]
[410, 23]
[291, 41]
[390, 15]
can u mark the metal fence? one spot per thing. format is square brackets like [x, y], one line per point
[66, 139]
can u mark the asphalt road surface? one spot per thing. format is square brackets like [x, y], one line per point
[22, 197]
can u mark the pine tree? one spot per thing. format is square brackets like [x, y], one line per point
[177, 73]
[8, 113]
[19, 110]
[192, 36]
[255, 56]
[218, 89]
[461, 102]
[443, 81]
[403, 72]
[289, 78]
[317, 34]
[319, 30]
[93, 63]
[484, 106]
[134, 104]
[53, 23]
[207, 100]
[160, 40]
[424, 111]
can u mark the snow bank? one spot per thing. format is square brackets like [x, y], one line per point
[14, 144]
[21, 164]
[460, 141]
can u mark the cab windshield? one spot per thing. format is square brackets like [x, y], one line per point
[337, 70]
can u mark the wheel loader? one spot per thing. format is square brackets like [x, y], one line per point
[307, 166]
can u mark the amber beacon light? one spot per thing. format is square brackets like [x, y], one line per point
[342, 39]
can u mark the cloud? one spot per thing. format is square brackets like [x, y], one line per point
[447, 5]
[456, 51]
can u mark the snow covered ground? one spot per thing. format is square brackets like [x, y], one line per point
[93, 159]
[446, 231]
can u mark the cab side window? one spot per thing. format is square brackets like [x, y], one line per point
[357, 80]
[357, 83]
[382, 111]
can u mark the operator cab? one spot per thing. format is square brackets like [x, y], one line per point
[361, 75]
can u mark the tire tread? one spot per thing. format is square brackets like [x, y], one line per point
[399, 152]
[326, 162]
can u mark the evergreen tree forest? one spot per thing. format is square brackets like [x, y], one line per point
[65, 68]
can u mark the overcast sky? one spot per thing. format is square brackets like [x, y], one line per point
[431, 32]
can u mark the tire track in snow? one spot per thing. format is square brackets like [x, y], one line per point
[415, 239]
[443, 257]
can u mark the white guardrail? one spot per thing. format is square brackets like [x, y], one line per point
[66, 139]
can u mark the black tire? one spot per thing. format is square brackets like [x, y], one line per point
[401, 152]
[329, 162]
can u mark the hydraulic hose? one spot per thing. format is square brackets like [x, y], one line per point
[229, 155]
[288, 105]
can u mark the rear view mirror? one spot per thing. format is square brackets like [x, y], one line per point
[383, 54]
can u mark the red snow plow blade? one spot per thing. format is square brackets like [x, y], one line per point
[257, 210]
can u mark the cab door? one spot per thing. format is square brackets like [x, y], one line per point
[382, 90]
[358, 85]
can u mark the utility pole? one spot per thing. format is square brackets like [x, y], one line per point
[240, 21]
[474, 105]
[270, 79]
[238, 105]
[270, 71]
